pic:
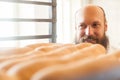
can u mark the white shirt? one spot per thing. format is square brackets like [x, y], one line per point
[112, 49]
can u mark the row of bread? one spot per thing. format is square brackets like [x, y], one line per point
[52, 61]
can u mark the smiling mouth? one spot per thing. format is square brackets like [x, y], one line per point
[90, 41]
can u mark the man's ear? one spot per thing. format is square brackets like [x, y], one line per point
[106, 26]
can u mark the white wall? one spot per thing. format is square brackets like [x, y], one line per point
[65, 20]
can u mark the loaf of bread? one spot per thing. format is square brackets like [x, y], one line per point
[65, 50]
[7, 62]
[41, 44]
[52, 47]
[25, 70]
[14, 51]
[29, 51]
[77, 69]
[53, 61]
[3, 76]
[23, 52]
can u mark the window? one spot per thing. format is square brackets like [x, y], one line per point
[27, 21]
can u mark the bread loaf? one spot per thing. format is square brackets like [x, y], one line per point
[9, 61]
[14, 51]
[77, 69]
[52, 47]
[3, 76]
[41, 44]
[25, 70]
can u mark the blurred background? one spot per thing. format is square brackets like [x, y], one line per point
[24, 22]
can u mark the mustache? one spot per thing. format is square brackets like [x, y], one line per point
[85, 38]
[104, 41]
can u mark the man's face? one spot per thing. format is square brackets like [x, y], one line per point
[91, 26]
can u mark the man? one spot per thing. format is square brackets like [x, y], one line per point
[91, 25]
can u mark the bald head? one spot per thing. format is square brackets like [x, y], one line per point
[91, 25]
[94, 9]
[91, 10]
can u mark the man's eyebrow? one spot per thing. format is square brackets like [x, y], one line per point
[96, 22]
[82, 23]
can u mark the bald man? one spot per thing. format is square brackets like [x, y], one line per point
[91, 25]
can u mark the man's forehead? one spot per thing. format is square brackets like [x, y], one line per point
[90, 11]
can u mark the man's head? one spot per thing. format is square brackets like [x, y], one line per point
[91, 25]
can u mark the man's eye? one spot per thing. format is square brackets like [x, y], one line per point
[82, 26]
[95, 25]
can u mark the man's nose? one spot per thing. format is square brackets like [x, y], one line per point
[89, 31]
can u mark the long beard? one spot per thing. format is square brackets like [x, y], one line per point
[104, 41]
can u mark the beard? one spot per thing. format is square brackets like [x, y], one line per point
[91, 39]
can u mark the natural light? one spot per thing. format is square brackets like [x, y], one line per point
[27, 11]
